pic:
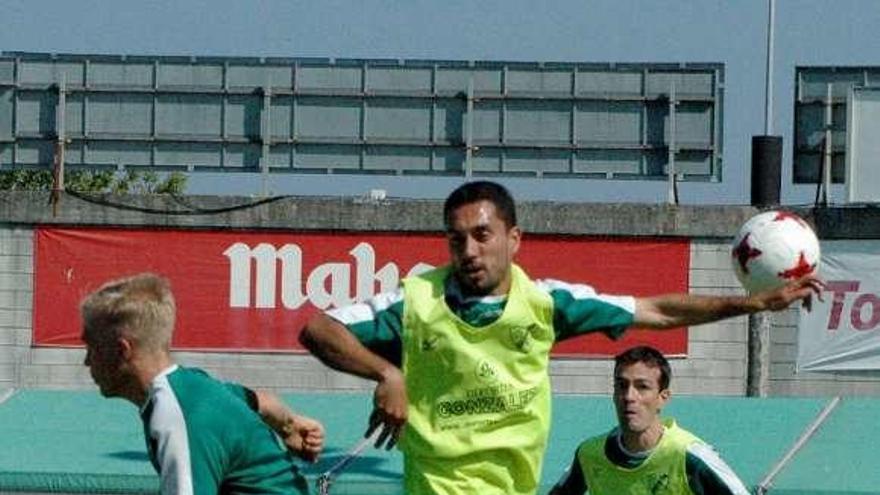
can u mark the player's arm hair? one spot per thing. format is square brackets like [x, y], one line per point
[336, 347]
[274, 412]
[301, 434]
[676, 310]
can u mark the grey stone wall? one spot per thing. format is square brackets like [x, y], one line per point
[16, 293]
[716, 360]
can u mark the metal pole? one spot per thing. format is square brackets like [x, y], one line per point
[60, 129]
[826, 169]
[60, 137]
[768, 81]
[758, 367]
[671, 196]
[764, 485]
[326, 479]
[758, 372]
[266, 135]
[469, 143]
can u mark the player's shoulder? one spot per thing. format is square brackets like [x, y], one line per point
[705, 463]
[163, 411]
[192, 381]
[579, 294]
[370, 309]
[703, 453]
[198, 383]
[552, 285]
[191, 393]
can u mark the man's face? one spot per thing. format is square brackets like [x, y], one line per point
[482, 248]
[637, 397]
[104, 357]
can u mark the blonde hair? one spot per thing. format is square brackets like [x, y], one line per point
[140, 308]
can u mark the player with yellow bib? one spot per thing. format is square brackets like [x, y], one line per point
[644, 454]
[460, 354]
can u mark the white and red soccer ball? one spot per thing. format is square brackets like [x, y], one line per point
[773, 248]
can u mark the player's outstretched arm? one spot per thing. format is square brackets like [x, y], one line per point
[301, 434]
[675, 310]
[336, 347]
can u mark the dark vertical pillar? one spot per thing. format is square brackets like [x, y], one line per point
[766, 185]
[766, 170]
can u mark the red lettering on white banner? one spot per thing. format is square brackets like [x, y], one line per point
[864, 314]
[839, 290]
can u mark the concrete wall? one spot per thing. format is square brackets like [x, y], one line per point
[16, 291]
[716, 361]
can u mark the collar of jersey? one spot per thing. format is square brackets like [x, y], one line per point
[455, 296]
[153, 383]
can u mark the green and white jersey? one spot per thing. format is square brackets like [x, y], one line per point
[706, 472]
[205, 437]
[577, 309]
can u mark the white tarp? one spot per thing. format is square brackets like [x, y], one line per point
[843, 332]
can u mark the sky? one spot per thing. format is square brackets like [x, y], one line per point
[733, 32]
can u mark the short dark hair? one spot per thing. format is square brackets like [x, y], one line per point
[648, 355]
[471, 192]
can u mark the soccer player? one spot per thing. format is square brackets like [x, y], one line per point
[203, 436]
[461, 352]
[645, 453]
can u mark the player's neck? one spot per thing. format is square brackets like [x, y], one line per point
[146, 369]
[465, 292]
[641, 441]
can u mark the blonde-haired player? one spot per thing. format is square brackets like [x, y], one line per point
[204, 436]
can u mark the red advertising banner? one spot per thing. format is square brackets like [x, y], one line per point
[249, 290]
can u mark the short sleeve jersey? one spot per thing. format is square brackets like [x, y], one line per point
[205, 437]
[577, 309]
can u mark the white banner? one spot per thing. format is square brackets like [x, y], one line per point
[843, 332]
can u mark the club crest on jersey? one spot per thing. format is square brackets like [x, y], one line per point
[429, 343]
[486, 371]
[659, 484]
[521, 338]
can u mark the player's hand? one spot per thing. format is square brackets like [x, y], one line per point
[304, 436]
[802, 289]
[389, 409]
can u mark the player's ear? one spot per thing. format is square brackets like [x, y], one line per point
[515, 236]
[665, 395]
[126, 349]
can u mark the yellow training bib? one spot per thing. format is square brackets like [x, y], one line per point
[479, 397]
[662, 473]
